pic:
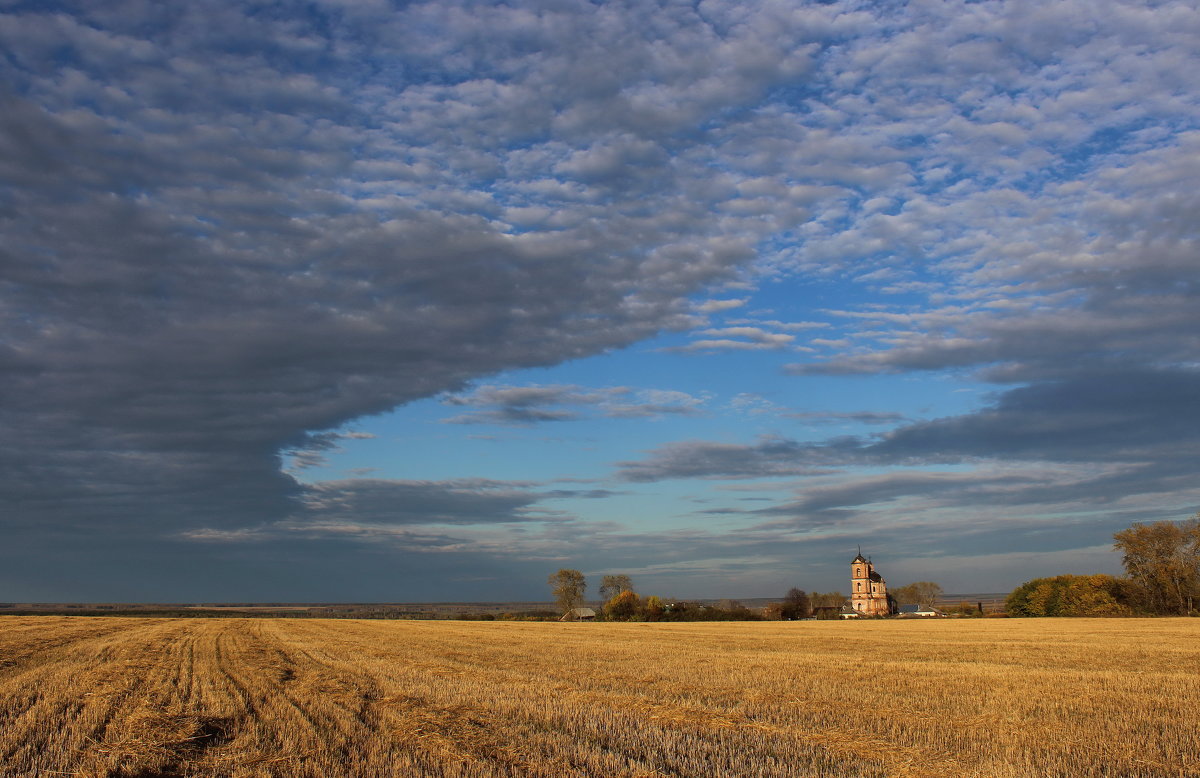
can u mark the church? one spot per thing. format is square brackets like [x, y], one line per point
[868, 590]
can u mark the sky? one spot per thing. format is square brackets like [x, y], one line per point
[371, 301]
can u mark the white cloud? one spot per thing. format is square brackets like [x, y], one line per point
[717, 306]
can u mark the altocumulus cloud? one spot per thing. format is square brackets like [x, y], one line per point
[227, 225]
[229, 228]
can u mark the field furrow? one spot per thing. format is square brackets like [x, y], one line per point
[309, 697]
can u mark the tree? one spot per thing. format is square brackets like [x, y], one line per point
[796, 605]
[829, 599]
[623, 606]
[612, 585]
[568, 587]
[963, 609]
[773, 611]
[1162, 561]
[919, 593]
[653, 607]
[1068, 595]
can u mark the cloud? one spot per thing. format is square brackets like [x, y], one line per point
[526, 405]
[228, 231]
[753, 404]
[1107, 449]
[834, 417]
[397, 502]
[718, 306]
[1102, 281]
[311, 453]
[417, 517]
[1122, 417]
[751, 333]
[653, 403]
[737, 339]
[772, 456]
[521, 405]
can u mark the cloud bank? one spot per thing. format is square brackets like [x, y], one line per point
[231, 228]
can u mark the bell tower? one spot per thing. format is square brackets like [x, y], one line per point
[868, 590]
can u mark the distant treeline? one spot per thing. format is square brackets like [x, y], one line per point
[675, 611]
[264, 613]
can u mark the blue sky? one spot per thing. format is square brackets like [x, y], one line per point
[374, 301]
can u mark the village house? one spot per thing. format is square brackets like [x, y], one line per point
[918, 612]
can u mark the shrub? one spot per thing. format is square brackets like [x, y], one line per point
[1069, 595]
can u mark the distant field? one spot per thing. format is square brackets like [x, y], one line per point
[264, 697]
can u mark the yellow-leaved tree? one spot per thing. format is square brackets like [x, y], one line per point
[1162, 561]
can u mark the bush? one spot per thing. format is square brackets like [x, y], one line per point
[622, 607]
[1069, 595]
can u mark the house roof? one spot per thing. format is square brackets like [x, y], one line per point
[916, 609]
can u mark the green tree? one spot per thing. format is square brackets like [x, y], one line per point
[919, 593]
[1162, 561]
[567, 587]
[612, 585]
[653, 607]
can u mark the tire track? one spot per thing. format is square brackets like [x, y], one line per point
[68, 704]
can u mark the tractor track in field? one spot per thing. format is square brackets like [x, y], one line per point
[257, 698]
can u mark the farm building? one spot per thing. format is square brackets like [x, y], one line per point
[918, 612]
[579, 614]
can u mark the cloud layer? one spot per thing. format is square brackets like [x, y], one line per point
[231, 228]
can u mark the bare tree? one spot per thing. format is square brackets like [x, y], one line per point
[568, 587]
[919, 593]
[827, 600]
[612, 585]
[796, 604]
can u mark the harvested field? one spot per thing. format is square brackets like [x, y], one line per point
[307, 697]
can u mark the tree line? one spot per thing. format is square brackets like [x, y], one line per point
[622, 603]
[1162, 577]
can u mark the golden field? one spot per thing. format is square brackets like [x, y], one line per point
[308, 697]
